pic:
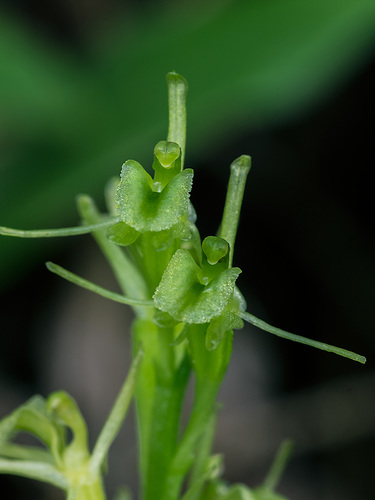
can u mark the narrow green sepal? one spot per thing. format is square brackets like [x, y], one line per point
[182, 294]
[122, 234]
[145, 209]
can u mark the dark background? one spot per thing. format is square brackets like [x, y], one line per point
[305, 244]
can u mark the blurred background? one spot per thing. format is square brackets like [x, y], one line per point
[82, 89]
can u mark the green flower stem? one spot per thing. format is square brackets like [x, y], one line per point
[250, 318]
[91, 489]
[202, 412]
[209, 368]
[177, 91]
[196, 479]
[129, 278]
[151, 261]
[239, 170]
[159, 394]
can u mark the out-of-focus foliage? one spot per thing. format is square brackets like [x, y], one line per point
[68, 121]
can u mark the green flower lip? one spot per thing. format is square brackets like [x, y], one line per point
[182, 294]
[143, 209]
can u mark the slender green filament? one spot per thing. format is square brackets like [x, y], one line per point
[52, 233]
[278, 466]
[250, 318]
[116, 416]
[88, 285]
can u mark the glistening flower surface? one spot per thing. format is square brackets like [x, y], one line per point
[186, 303]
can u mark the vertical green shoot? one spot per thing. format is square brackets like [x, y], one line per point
[177, 91]
[239, 170]
[116, 417]
[278, 465]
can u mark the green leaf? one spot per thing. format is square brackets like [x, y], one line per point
[182, 294]
[143, 208]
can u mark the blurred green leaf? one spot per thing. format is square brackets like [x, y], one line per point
[68, 123]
